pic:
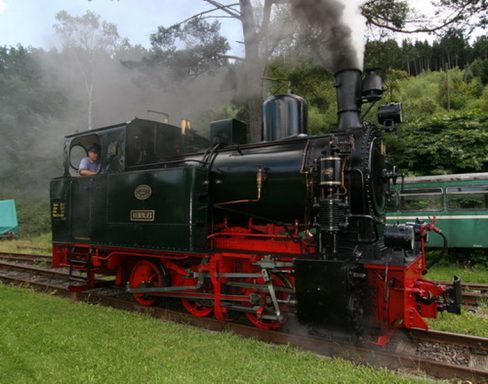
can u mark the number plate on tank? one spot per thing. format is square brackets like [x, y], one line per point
[142, 215]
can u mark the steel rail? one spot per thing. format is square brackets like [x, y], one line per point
[33, 269]
[315, 344]
[472, 293]
[469, 341]
[470, 286]
[24, 257]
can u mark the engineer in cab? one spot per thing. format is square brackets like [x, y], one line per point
[90, 165]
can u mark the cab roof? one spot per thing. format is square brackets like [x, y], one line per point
[101, 129]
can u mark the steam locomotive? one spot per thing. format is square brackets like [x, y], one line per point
[293, 224]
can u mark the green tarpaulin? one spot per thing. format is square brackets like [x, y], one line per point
[8, 218]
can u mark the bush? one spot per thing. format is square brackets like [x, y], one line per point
[478, 68]
[454, 143]
[34, 218]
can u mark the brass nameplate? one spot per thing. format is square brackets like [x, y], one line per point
[142, 215]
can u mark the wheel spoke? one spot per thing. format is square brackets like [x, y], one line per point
[265, 302]
[145, 273]
[196, 308]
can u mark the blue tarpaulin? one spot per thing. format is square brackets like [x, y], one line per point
[8, 219]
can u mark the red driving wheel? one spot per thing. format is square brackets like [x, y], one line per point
[196, 308]
[199, 308]
[146, 273]
[266, 306]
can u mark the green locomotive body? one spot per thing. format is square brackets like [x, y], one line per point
[293, 224]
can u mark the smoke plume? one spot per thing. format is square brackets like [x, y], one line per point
[39, 112]
[335, 31]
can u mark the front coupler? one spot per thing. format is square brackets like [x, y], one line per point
[453, 297]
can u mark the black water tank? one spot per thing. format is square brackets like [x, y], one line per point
[284, 116]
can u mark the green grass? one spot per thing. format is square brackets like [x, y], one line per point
[467, 274]
[45, 339]
[467, 323]
[40, 244]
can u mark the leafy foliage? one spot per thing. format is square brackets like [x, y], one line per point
[479, 68]
[189, 49]
[451, 50]
[454, 143]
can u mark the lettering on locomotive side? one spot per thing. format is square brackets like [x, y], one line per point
[58, 210]
[142, 215]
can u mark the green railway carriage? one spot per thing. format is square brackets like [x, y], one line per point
[459, 202]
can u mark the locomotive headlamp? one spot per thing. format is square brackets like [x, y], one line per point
[390, 115]
[400, 236]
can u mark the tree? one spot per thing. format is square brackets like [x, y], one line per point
[254, 20]
[455, 45]
[383, 54]
[189, 49]
[257, 49]
[31, 110]
[89, 40]
[479, 68]
[398, 16]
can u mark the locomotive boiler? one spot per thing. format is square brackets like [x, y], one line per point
[292, 225]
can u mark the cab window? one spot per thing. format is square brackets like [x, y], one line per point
[78, 150]
[421, 199]
[467, 198]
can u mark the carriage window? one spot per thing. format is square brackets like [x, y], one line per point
[425, 199]
[471, 197]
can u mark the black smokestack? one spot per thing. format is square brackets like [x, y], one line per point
[338, 47]
[348, 89]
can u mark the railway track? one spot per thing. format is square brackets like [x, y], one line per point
[25, 257]
[472, 293]
[416, 351]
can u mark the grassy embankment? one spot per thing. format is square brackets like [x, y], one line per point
[46, 339]
[40, 244]
[476, 274]
[469, 322]
[35, 228]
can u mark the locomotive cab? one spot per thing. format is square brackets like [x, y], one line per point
[100, 209]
